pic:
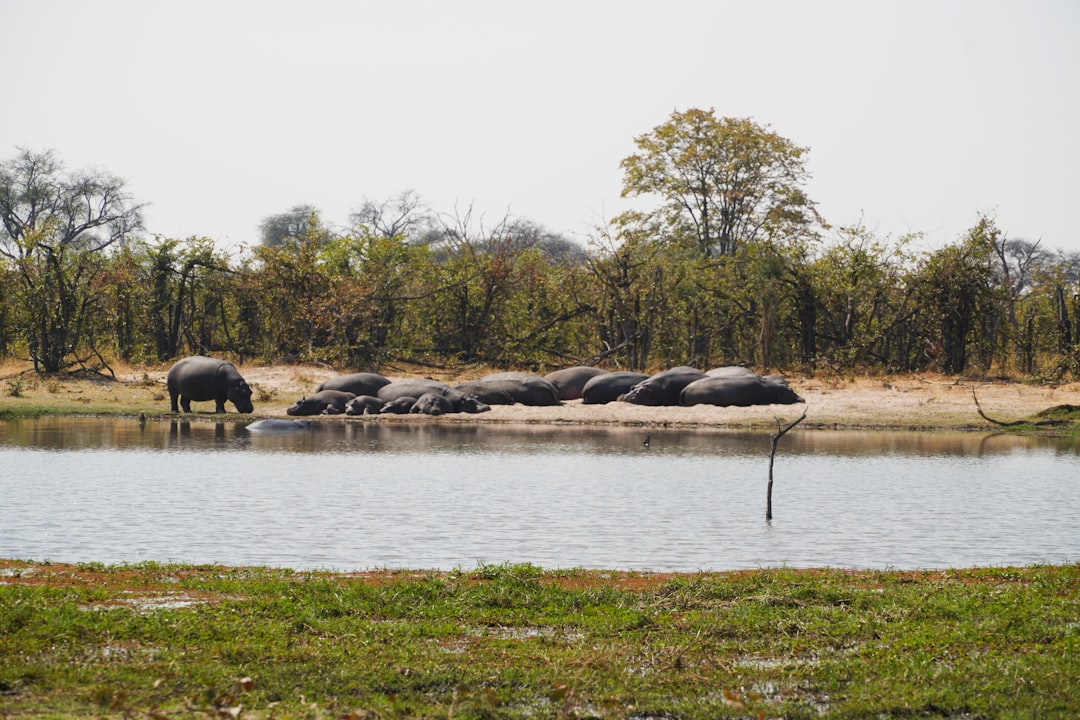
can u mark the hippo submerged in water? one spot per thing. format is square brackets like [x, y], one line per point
[199, 378]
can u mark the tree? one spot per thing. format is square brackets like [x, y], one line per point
[403, 216]
[293, 226]
[55, 226]
[721, 180]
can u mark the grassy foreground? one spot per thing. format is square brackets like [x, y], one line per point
[515, 641]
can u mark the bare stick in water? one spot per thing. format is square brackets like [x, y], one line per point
[780, 432]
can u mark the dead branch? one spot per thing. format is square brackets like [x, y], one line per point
[1011, 423]
[780, 432]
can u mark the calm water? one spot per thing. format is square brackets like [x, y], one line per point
[357, 496]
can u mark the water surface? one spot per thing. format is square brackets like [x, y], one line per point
[355, 495]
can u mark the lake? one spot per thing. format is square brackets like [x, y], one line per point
[350, 495]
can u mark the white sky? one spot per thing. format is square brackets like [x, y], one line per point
[918, 114]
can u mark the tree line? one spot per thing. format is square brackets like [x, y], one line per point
[726, 261]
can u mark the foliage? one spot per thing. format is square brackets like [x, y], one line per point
[734, 266]
[55, 226]
[722, 181]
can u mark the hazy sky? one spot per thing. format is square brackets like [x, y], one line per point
[918, 114]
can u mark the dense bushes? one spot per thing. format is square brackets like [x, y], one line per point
[639, 302]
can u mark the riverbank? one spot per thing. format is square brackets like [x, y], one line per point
[514, 641]
[919, 402]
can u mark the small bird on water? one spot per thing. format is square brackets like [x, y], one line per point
[645, 442]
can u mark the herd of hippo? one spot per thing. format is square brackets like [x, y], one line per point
[367, 393]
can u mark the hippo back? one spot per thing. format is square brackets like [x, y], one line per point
[413, 387]
[739, 391]
[361, 383]
[570, 382]
[662, 388]
[609, 386]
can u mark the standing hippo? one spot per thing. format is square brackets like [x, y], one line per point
[324, 402]
[741, 391]
[608, 387]
[200, 378]
[361, 383]
[663, 388]
[569, 382]
[364, 405]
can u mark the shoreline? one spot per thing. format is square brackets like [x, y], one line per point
[919, 402]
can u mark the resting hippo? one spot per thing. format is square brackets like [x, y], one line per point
[274, 425]
[362, 383]
[324, 402]
[492, 393]
[416, 387]
[731, 371]
[432, 404]
[200, 378]
[525, 388]
[399, 406]
[413, 387]
[569, 382]
[741, 391]
[609, 386]
[663, 388]
[364, 405]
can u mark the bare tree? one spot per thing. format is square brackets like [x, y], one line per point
[404, 214]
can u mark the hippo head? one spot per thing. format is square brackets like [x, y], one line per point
[640, 394]
[306, 406]
[240, 395]
[781, 393]
[472, 404]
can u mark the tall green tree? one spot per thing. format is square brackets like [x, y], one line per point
[55, 226]
[721, 181]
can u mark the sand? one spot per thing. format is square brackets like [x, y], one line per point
[915, 402]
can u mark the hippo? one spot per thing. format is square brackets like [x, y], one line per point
[460, 401]
[492, 393]
[199, 378]
[364, 405]
[731, 371]
[432, 404]
[609, 386]
[742, 391]
[469, 404]
[399, 406]
[525, 388]
[663, 388]
[275, 425]
[361, 383]
[324, 402]
[569, 382]
[413, 387]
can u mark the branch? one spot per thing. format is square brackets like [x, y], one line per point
[780, 432]
[1013, 423]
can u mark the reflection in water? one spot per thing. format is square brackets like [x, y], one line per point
[360, 494]
[338, 434]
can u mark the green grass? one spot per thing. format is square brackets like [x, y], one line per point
[514, 641]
